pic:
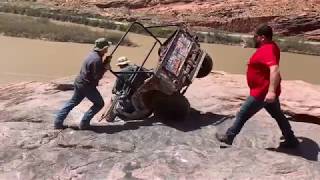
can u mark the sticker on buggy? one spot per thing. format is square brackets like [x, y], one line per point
[176, 58]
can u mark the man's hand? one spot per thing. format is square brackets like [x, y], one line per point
[106, 62]
[107, 59]
[107, 67]
[271, 97]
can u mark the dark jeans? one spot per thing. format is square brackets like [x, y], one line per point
[80, 92]
[251, 107]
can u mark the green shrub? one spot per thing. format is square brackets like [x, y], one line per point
[43, 28]
[32, 9]
[297, 45]
[219, 38]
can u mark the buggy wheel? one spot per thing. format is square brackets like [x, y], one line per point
[206, 67]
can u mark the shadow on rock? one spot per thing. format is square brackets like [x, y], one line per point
[195, 120]
[111, 129]
[304, 118]
[63, 87]
[307, 149]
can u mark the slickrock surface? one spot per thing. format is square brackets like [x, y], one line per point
[149, 149]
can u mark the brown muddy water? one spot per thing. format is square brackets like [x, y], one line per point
[36, 60]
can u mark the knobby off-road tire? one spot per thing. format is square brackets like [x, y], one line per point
[206, 67]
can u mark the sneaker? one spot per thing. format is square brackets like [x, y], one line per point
[84, 125]
[289, 144]
[58, 125]
[228, 139]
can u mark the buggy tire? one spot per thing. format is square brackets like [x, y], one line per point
[206, 67]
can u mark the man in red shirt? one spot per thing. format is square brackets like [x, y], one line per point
[263, 77]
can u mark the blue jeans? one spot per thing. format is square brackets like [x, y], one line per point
[80, 92]
[251, 107]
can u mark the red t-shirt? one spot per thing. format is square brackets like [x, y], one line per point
[258, 72]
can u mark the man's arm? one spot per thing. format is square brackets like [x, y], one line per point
[274, 83]
[106, 63]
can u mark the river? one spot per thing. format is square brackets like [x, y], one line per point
[37, 60]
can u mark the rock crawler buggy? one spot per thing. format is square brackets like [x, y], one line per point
[160, 91]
